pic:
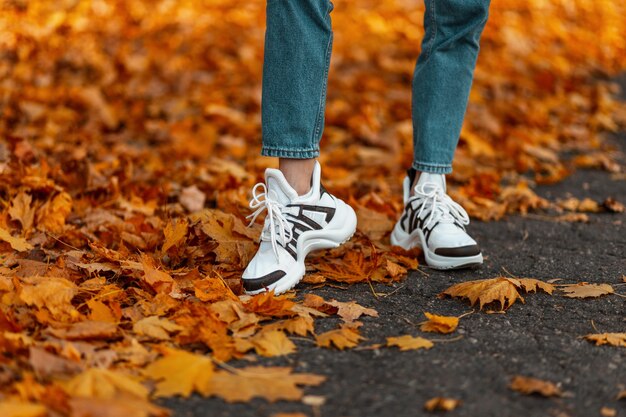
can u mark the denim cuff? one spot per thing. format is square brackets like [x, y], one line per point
[432, 168]
[290, 153]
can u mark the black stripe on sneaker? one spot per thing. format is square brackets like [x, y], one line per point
[461, 251]
[265, 281]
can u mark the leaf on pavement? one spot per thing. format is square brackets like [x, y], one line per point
[352, 268]
[17, 243]
[272, 343]
[272, 384]
[439, 324]
[501, 289]
[104, 384]
[268, 304]
[528, 386]
[408, 342]
[586, 290]
[156, 327]
[343, 338]
[180, 373]
[348, 311]
[441, 404]
[612, 339]
[123, 406]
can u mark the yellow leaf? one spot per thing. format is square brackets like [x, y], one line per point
[100, 311]
[156, 327]
[485, 291]
[160, 281]
[51, 216]
[533, 285]
[408, 342]
[272, 384]
[272, 343]
[268, 304]
[175, 233]
[441, 404]
[528, 386]
[104, 384]
[613, 339]
[85, 330]
[439, 324]
[19, 409]
[180, 373]
[22, 211]
[342, 338]
[123, 406]
[585, 290]
[17, 243]
[55, 294]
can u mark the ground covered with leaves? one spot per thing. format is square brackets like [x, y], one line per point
[129, 139]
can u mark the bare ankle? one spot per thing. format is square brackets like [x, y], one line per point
[298, 173]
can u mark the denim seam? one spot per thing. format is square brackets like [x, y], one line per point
[320, 112]
[432, 167]
[278, 148]
[433, 16]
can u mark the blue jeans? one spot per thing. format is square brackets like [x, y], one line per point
[298, 45]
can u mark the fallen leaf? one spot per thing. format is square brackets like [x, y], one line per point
[54, 294]
[527, 386]
[22, 211]
[613, 206]
[408, 342]
[104, 384]
[348, 311]
[17, 243]
[175, 233]
[51, 216]
[586, 290]
[272, 384]
[608, 412]
[21, 409]
[272, 343]
[441, 404]
[180, 373]
[85, 330]
[342, 338]
[486, 291]
[115, 407]
[439, 324]
[613, 339]
[268, 304]
[156, 328]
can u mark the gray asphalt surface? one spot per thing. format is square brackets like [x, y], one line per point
[540, 338]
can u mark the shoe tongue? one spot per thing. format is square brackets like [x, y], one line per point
[426, 179]
[278, 187]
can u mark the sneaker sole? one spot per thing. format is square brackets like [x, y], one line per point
[416, 239]
[339, 231]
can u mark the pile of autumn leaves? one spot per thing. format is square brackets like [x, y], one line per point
[124, 121]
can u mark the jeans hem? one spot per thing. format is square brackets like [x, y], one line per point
[432, 168]
[290, 153]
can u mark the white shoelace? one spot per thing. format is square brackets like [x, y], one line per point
[442, 207]
[279, 227]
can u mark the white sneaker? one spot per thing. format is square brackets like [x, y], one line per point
[434, 222]
[294, 226]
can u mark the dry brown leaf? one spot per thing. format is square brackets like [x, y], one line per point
[527, 386]
[441, 404]
[352, 268]
[342, 338]
[613, 206]
[156, 327]
[180, 373]
[408, 342]
[586, 290]
[621, 395]
[608, 412]
[439, 324]
[534, 285]
[17, 243]
[268, 304]
[612, 339]
[160, 281]
[272, 384]
[86, 330]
